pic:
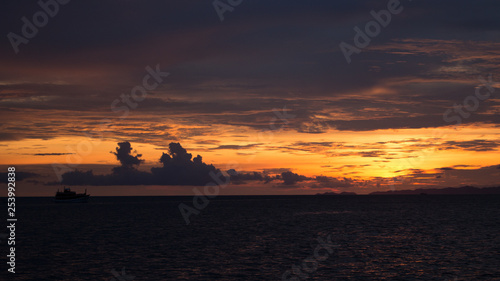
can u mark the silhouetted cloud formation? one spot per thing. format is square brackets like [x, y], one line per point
[330, 182]
[123, 154]
[19, 176]
[243, 177]
[290, 178]
[178, 169]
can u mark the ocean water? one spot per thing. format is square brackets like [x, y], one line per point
[259, 238]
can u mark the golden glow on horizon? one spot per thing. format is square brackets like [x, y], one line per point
[358, 155]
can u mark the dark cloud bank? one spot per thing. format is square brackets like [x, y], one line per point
[178, 168]
[19, 176]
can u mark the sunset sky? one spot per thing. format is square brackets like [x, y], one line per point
[266, 90]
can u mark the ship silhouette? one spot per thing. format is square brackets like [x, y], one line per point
[68, 196]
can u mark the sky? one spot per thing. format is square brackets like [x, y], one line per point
[283, 97]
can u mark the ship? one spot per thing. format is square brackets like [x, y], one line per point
[68, 196]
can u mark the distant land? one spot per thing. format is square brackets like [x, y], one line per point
[333, 193]
[449, 190]
[430, 191]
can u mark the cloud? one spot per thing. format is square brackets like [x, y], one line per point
[237, 147]
[51, 154]
[473, 145]
[179, 168]
[451, 177]
[19, 176]
[123, 154]
[10, 136]
[275, 170]
[290, 178]
[285, 175]
[331, 182]
[464, 166]
[374, 153]
[207, 58]
[243, 177]
[446, 169]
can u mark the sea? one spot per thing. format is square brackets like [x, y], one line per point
[364, 237]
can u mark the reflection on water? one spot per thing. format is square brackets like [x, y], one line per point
[259, 238]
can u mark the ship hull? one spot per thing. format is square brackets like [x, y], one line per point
[72, 200]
